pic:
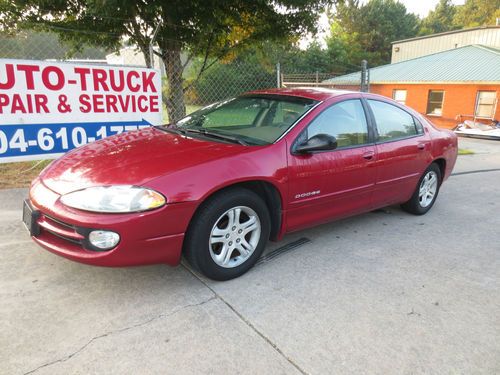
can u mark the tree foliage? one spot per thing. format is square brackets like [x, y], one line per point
[241, 74]
[207, 28]
[440, 19]
[365, 30]
[30, 44]
[344, 49]
[222, 39]
[370, 28]
[255, 68]
[475, 13]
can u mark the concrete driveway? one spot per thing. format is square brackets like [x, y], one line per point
[381, 293]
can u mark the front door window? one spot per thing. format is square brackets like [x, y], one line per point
[345, 121]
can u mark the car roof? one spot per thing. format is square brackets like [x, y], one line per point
[315, 93]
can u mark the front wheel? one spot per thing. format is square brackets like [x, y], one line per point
[426, 192]
[228, 234]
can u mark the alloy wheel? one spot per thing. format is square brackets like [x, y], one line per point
[235, 236]
[428, 189]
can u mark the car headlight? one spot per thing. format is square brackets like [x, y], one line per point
[114, 199]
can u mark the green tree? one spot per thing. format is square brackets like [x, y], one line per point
[440, 19]
[243, 73]
[207, 28]
[255, 68]
[30, 44]
[344, 49]
[368, 29]
[292, 58]
[477, 13]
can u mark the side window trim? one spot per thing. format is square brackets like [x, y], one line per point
[370, 120]
[418, 126]
[371, 138]
[376, 139]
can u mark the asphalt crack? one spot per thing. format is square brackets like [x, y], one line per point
[413, 312]
[248, 323]
[110, 333]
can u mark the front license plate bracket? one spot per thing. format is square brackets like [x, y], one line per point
[30, 218]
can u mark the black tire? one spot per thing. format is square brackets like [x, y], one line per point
[414, 205]
[196, 244]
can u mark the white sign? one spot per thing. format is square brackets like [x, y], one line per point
[49, 108]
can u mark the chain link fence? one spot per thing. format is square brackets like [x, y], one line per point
[354, 79]
[316, 79]
[33, 45]
[221, 80]
[225, 80]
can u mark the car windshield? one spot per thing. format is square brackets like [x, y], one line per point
[251, 120]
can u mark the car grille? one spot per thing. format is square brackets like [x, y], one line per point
[59, 229]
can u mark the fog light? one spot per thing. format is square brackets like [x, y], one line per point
[103, 239]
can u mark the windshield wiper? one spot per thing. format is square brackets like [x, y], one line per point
[213, 135]
[164, 128]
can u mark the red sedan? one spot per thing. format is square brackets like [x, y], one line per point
[222, 181]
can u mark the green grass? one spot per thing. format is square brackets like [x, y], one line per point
[20, 174]
[464, 151]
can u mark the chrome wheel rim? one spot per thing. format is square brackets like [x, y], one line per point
[234, 236]
[428, 189]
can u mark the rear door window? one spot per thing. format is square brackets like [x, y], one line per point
[392, 122]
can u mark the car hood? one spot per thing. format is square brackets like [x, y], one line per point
[132, 158]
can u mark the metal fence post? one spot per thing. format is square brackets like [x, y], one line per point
[367, 79]
[364, 76]
[278, 75]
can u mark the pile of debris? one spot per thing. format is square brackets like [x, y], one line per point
[479, 130]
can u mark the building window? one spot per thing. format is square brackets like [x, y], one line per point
[485, 104]
[435, 103]
[399, 96]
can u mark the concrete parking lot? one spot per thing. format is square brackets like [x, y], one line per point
[381, 293]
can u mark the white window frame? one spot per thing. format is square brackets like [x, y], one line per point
[442, 103]
[493, 108]
[394, 91]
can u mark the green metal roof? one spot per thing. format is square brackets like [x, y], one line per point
[474, 63]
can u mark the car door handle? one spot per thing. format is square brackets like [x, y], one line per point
[368, 155]
[421, 146]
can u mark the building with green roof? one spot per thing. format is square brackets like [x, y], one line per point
[448, 87]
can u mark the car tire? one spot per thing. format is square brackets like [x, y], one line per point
[425, 193]
[227, 234]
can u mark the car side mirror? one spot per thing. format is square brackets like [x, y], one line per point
[318, 142]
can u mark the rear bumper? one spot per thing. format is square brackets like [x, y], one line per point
[145, 238]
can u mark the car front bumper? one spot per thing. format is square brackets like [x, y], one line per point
[149, 237]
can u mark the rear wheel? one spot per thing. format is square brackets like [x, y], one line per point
[426, 192]
[228, 234]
